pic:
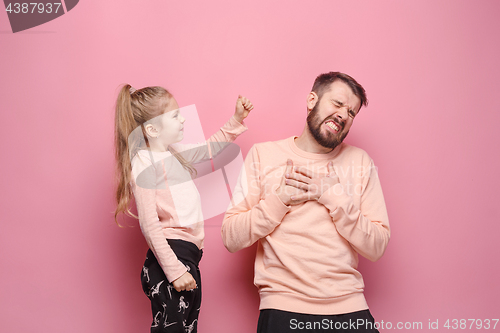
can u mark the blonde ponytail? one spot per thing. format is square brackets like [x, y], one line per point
[124, 125]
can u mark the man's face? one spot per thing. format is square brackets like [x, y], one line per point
[331, 116]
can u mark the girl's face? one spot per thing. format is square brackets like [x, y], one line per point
[171, 125]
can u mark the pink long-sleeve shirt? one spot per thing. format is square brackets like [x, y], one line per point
[168, 202]
[307, 254]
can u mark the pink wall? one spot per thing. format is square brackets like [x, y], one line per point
[431, 72]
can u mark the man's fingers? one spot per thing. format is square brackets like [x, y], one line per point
[302, 197]
[288, 171]
[299, 185]
[331, 170]
[299, 177]
[289, 167]
[306, 172]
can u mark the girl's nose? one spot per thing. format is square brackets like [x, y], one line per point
[183, 120]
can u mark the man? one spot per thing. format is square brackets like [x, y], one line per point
[313, 204]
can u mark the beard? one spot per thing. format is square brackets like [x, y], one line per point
[328, 140]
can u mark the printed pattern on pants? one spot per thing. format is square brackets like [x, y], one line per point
[173, 311]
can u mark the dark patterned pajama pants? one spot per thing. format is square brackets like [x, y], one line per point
[173, 311]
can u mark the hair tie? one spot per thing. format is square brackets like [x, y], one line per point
[132, 90]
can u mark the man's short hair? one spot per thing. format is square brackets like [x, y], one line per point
[323, 81]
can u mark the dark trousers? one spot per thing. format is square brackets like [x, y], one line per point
[173, 311]
[277, 321]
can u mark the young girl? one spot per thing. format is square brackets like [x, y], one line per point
[148, 124]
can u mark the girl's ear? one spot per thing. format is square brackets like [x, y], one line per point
[151, 131]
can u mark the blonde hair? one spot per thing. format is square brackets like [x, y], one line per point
[133, 109]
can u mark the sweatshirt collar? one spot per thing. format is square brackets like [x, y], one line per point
[300, 152]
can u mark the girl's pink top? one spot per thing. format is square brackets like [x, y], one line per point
[168, 202]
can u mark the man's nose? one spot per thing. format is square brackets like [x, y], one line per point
[342, 112]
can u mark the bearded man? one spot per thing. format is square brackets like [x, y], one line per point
[313, 203]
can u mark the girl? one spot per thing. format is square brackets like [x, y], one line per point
[148, 124]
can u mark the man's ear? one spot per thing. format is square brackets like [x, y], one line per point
[312, 99]
[151, 131]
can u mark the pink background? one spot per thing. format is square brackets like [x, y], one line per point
[431, 72]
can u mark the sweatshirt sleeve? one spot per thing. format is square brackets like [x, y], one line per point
[251, 218]
[145, 198]
[367, 228]
[195, 153]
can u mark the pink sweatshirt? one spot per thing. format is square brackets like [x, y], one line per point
[307, 255]
[168, 202]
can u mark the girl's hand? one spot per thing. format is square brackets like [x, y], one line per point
[185, 282]
[243, 108]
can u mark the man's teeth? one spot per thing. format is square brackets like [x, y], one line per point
[332, 126]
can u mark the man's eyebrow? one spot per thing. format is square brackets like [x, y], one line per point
[342, 104]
